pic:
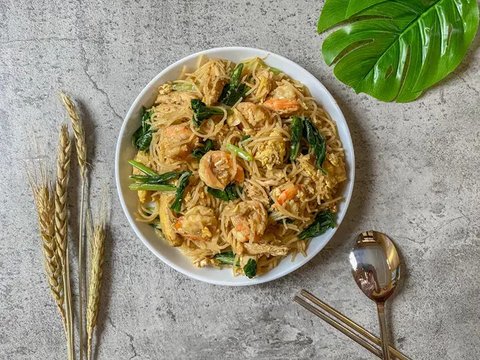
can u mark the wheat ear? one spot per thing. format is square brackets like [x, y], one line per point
[81, 147]
[45, 204]
[97, 250]
[78, 132]
[61, 227]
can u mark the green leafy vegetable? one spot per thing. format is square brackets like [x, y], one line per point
[158, 179]
[296, 130]
[235, 90]
[183, 86]
[245, 155]
[227, 257]
[152, 187]
[145, 169]
[316, 141]
[245, 138]
[323, 221]
[151, 180]
[182, 185]
[198, 152]
[249, 63]
[394, 50]
[230, 193]
[250, 268]
[202, 111]
[156, 224]
[143, 136]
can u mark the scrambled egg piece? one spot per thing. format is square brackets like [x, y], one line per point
[265, 84]
[272, 152]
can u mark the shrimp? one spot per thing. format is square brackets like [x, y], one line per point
[283, 100]
[198, 223]
[288, 194]
[254, 115]
[217, 169]
[249, 220]
[282, 106]
[177, 141]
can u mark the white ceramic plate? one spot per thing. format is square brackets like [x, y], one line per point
[125, 151]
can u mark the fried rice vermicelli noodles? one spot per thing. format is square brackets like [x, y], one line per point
[249, 166]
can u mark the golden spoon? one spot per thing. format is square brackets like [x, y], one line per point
[376, 270]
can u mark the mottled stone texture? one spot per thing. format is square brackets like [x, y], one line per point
[417, 179]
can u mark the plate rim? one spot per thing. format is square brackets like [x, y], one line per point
[132, 221]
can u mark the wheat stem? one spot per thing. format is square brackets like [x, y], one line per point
[97, 250]
[61, 228]
[81, 147]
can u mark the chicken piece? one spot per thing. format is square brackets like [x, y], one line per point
[248, 220]
[198, 223]
[257, 192]
[211, 78]
[260, 249]
[167, 218]
[217, 169]
[173, 106]
[271, 152]
[254, 116]
[177, 141]
[144, 196]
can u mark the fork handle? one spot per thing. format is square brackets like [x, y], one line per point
[383, 330]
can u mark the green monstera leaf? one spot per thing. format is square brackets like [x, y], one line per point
[394, 50]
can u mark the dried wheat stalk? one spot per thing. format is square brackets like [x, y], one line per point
[61, 227]
[45, 204]
[80, 144]
[78, 132]
[97, 250]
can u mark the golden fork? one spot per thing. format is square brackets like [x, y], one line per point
[342, 323]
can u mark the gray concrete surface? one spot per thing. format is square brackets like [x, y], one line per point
[417, 166]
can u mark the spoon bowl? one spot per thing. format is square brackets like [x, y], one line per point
[376, 269]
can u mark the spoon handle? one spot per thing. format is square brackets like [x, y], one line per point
[383, 330]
